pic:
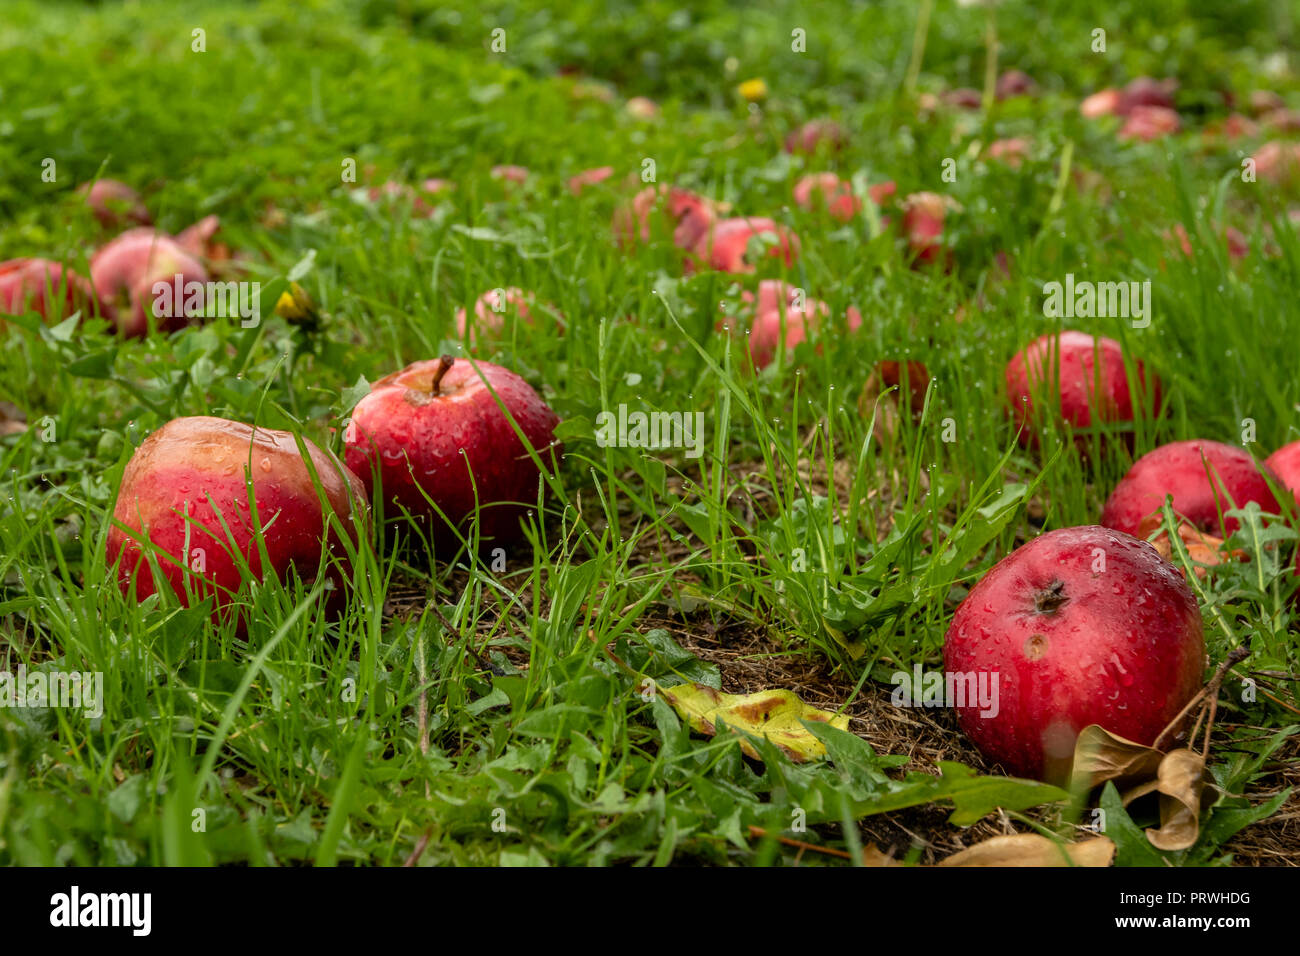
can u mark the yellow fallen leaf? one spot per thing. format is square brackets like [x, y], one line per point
[1032, 849]
[773, 714]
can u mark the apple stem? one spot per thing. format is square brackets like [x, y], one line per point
[1050, 600]
[444, 365]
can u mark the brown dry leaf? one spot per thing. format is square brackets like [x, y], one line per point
[1204, 549]
[1182, 782]
[12, 420]
[872, 856]
[1100, 755]
[1032, 849]
[774, 714]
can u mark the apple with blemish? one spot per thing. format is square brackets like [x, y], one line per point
[1205, 480]
[782, 321]
[1080, 626]
[184, 499]
[436, 437]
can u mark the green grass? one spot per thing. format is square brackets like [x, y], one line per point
[474, 712]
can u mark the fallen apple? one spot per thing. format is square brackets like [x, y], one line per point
[689, 214]
[589, 177]
[923, 218]
[835, 195]
[494, 307]
[1148, 123]
[511, 174]
[1277, 162]
[815, 134]
[47, 288]
[1204, 478]
[115, 203]
[1285, 463]
[184, 498]
[1014, 83]
[125, 271]
[725, 246]
[784, 317]
[1012, 152]
[1084, 380]
[1080, 626]
[435, 437]
[642, 108]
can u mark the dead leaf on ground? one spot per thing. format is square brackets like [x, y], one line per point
[1021, 849]
[1100, 755]
[773, 714]
[1186, 788]
[1033, 849]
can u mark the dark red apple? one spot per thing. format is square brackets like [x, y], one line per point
[434, 432]
[964, 98]
[115, 203]
[1205, 478]
[1080, 626]
[185, 499]
[125, 271]
[1015, 83]
[725, 247]
[47, 288]
[1084, 378]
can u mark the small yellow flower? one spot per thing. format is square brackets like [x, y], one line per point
[295, 305]
[753, 90]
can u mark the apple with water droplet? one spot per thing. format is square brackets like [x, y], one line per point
[184, 498]
[1205, 478]
[1079, 626]
[436, 437]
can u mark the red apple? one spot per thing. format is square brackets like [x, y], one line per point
[923, 216]
[1145, 91]
[690, 214]
[184, 498]
[725, 247]
[47, 288]
[434, 432]
[114, 203]
[401, 196]
[814, 134]
[1285, 463]
[1282, 121]
[1010, 151]
[512, 174]
[911, 377]
[1107, 102]
[125, 271]
[1015, 83]
[964, 98]
[1080, 626]
[589, 177]
[435, 186]
[778, 305]
[1183, 469]
[1087, 377]
[1149, 123]
[1265, 101]
[492, 308]
[1277, 162]
[835, 195]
